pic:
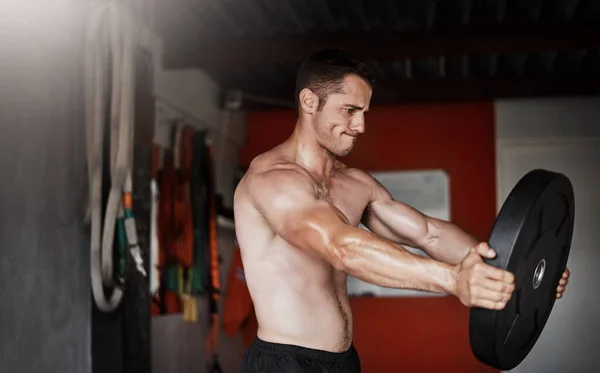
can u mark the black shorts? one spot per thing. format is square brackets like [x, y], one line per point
[267, 357]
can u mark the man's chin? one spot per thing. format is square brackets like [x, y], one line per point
[343, 152]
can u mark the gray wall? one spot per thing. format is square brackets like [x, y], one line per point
[45, 299]
[44, 270]
[561, 135]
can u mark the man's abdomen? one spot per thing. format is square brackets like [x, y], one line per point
[312, 316]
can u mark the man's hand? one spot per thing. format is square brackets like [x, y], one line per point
[562, 284]
[481, 285]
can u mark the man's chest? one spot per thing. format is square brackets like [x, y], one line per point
[349, 196]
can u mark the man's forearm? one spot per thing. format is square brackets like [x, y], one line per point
[378, 261]
[449, 243]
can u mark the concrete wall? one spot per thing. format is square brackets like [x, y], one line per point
[44, 266]
[561, 135]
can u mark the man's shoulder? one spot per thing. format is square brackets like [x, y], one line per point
[270, 185]
[268, 172]
[274, 164]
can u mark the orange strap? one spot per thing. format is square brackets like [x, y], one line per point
[214, 250]
[215, 291]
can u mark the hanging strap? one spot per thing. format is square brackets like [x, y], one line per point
[215, 288]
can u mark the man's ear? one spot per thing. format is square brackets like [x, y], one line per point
[308, 101]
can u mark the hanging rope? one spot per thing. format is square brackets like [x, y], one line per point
[109, 50]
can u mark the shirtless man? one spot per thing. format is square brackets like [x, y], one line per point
[297, 211]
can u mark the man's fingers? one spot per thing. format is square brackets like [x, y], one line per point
[562, 284]
[484, 250]
[495, 273]
[479, 294]
[490, 304]
[494, 300]
[499, 286]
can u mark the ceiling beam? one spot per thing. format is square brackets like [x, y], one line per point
[187, 49]
[484, 89]
[459, 90]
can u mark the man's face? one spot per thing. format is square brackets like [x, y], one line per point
[342, 118]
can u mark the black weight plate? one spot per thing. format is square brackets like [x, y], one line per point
[532, 239]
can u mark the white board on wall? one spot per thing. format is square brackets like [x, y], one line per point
[427, 191]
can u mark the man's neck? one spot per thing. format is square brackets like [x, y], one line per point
[309, 154]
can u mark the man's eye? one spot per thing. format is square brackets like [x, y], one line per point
[349, 110]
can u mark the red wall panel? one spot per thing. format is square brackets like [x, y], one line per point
[414, 334]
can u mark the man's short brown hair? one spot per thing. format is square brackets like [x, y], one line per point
[323, 73]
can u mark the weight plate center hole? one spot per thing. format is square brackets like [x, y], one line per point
[538, 274]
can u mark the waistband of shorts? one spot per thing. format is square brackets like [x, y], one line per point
[303, 352]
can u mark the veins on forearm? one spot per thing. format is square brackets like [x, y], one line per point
[380, 262]
[448, 242]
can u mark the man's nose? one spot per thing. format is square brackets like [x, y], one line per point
[358, 125]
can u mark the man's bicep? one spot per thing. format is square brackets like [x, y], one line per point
[395, 220]
[288, 203]
[279, 196]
